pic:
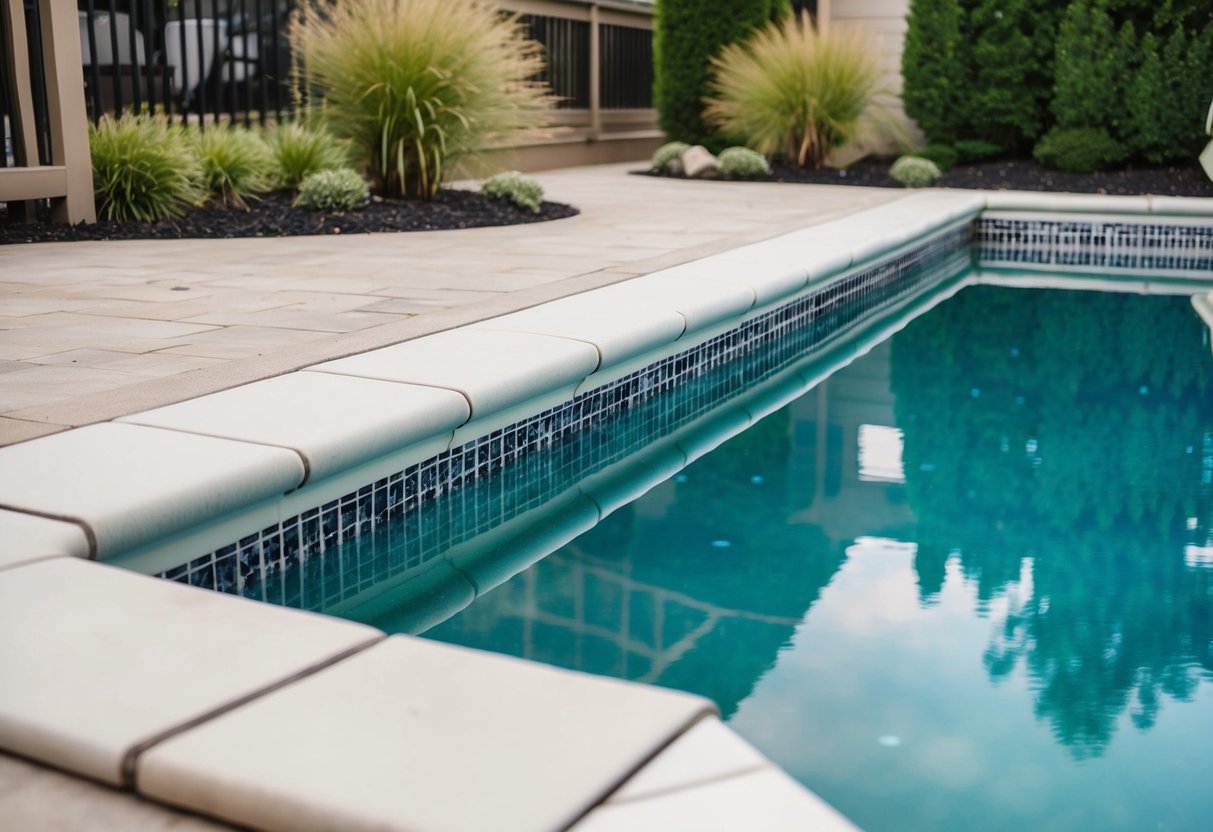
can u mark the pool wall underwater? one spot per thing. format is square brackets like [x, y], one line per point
[237, 487]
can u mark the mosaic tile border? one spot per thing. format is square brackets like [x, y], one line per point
[1095, 243]
[335, 551]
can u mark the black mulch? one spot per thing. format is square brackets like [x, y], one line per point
[273, 216]
[1020, 175]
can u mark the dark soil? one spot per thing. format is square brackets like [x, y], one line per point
[1019, 175]
[273, 216]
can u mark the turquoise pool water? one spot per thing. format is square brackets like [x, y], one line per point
[965, 583]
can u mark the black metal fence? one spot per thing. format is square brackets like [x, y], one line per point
[195, 59]
[8, 97]
[626, 66]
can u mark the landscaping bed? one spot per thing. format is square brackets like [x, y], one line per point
[273, 216]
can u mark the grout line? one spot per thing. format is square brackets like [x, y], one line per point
[130, 759]
[682, 787]
[89, 534]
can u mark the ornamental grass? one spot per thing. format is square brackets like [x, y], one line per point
[792, 90]
[416, 86]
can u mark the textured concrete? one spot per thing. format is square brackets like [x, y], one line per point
[94, 331]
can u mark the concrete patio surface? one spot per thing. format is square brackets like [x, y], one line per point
[92, 331]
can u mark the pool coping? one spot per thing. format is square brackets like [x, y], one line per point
[848, 239]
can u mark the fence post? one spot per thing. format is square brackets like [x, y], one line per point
[595, 75]
[65, 106]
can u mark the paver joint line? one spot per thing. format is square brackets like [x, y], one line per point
[130, 761]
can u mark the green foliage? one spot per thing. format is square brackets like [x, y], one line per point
[944, 156]
[687, 35]
[1079, 150]
[512, 186]
[667, 153]
[790, 89]
[742, 163]
[933, 64]
[143, 169]
[235, 163]
[416, 85]
[1012, 70]
[332, 189]
[1085, 91]
[915, 172]
[978, 150]
[298, 150]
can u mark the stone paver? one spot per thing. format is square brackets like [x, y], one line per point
[94, 331]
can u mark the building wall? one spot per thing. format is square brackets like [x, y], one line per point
[885, 20]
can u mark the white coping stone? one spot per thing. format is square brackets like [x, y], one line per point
[428, 737]
[608, 318]
[1188, 206]
[769, 279]
[708, 751]
[702, 299]
[132, 484]
[26, 537]
[1086, 203]
[493, 370]
[815, 253]
[98, 660]
[765, 799]
[334, 422]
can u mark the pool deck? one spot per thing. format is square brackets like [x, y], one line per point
[210, 702]
[96, 330]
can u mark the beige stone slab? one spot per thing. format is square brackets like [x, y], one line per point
[43, 384]
[130, 484]
[21, 430]
[235, 342]
[25, 537]
[493, 370]
[765, 799]
[430, 737]
[287, 318]
[33, 797]
[334, 422]
[107, 661]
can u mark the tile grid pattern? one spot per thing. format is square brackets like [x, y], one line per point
[1099, 243]
[331, 552]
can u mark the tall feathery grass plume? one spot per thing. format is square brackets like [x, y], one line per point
[416, 86]
[794, 91]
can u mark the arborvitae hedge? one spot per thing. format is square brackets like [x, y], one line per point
[1007, 71]
[688, 33]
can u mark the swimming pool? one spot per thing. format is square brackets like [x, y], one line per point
[945, 593]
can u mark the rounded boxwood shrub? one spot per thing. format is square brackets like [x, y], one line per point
[1079, 150]
[339, 189]
[944, 156]
[512, 186]
[667, 153]
[915, 172]
[741, 162]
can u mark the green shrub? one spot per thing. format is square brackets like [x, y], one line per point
[1011, 70]
[512, 186]
[944, 156]
[298, 150]
[742, 163]
[332, 189]
[235, 163]
[934, 66]
[1085, 89]
[915, 172]
[792, 90]
[1079, 150]
[667, 153]
[417, 85]
[977, 150]
[687, 34]
[143, 169]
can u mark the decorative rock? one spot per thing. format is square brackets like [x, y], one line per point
[699, 163]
